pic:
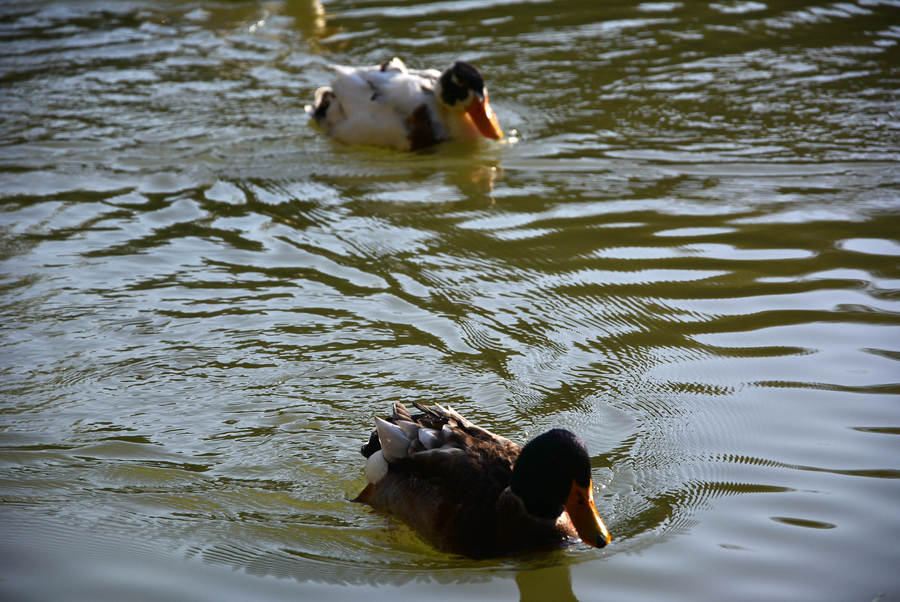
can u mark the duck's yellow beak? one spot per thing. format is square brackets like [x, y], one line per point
[585, 518]
[485, 120]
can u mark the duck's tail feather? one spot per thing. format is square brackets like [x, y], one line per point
[372, 446]
[365, 496]
[401, 413]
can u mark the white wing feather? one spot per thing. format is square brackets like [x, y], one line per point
[374, 105]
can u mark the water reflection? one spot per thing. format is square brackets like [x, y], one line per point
[308, 15]
[549, 583]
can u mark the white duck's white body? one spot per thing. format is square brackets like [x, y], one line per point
[390, 105]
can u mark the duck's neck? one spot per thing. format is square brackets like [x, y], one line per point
[521, 530]
[458, 124]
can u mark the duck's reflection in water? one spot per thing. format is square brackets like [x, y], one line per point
[546, 583]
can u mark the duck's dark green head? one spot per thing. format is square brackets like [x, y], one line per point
[461, 87]
[460, 83]
[553, 474]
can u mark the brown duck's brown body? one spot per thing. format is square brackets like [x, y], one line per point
[458, 496]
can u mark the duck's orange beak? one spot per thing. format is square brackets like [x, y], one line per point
[485, 119]
[585, 518]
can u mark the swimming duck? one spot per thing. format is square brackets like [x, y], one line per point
[406, 109]
[471, 492]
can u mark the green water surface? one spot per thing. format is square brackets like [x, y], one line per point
[685, 250]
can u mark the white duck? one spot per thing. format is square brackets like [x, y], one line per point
[406, 109]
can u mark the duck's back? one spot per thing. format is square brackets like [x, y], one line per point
[456, 493]
[383, 106]
[449, 498]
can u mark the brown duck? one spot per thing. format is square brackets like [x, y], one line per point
[469, 491]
